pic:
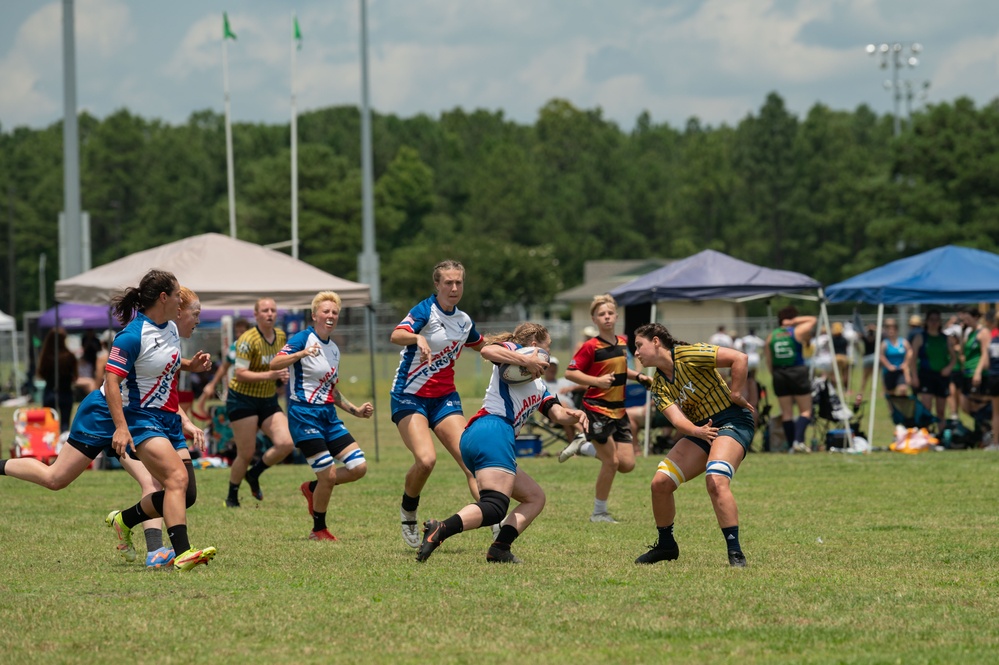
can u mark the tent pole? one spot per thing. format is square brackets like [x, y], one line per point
[370, 322]
[649, 403]
[874, 374]
[824, 321]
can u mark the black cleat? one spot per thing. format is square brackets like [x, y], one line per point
[431, 539]
[737, 559]
[496, 555]
[254, 484]
[657, 553]
[229, 503]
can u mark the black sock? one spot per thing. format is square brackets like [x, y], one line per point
[178, 538]
[257, 469]
[234, 492]
[134, 515]
[788, 426]
[666, 535]
[452, 525]
[800, 425]
[313, 485]
[506, 536]
[318, 521]
[3, 463]
[154, 539]
[410, 503]
[731, 534]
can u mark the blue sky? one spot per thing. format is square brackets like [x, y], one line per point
[714, 59]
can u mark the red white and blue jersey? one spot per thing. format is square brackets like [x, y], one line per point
[313, 377]
[515, 404]
[447, 333]
[147, 357]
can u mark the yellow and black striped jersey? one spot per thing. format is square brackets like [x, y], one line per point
[697, 387]
[254, 353]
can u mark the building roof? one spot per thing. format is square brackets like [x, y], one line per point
[604, 276]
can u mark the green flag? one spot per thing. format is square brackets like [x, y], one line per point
[227, 32]
[297, 32]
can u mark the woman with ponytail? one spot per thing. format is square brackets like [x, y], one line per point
[716, 421]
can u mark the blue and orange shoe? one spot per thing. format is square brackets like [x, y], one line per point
[193, 557]
[124, 534]
[160, 558]
[307, 493]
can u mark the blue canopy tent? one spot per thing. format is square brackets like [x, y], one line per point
[711, 275]
[948, 274]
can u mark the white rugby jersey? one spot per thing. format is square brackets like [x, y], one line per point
[147, 357]
[313, 377]
[447, 333]
[513, 403]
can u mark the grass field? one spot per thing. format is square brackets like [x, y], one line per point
[852, 559]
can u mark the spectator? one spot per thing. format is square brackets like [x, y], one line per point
[786, 362]
[896, 359]
[722, 338]
[933, 360]
[57, 367]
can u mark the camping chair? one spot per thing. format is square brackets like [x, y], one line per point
[828, 413]
[36, 434]
[908, 411]
[544, 430]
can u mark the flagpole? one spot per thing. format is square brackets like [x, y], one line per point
[228, 140]
[294, 142]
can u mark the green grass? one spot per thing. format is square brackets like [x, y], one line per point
[852, 559]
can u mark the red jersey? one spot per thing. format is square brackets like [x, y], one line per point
[598, 357]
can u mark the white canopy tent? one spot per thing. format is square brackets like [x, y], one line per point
[224, 272]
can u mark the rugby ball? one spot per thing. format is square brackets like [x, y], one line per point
[516, 374]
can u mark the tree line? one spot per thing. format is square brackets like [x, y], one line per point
[523, 206]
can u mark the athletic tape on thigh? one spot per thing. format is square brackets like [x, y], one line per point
[719, 468]
[320, 461]
[352, 459]
[672, 470]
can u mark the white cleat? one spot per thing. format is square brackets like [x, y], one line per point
[410, 528]
[573, 448]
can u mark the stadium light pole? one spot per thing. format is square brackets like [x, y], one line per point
[896, 56]
[367, 264]
[72, 234]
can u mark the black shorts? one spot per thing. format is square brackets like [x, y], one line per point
[983, 389]
[933, 383]
[791, 381]
[893, 379]
[239, 406]
[603, 427]
[992, 385]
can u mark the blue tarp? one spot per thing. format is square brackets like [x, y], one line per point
[948, 274]
[710, 275]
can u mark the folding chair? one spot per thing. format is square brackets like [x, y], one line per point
[544, 431]
[828, 413]
[908, 411]
[36, 434]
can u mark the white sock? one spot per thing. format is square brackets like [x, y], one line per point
[599, 506]
[588, 449]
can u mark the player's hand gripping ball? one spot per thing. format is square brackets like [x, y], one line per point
[517, 374]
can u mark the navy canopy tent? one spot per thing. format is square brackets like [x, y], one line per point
[709, 275]
[948, 274]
